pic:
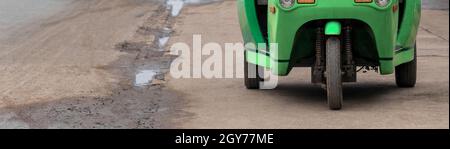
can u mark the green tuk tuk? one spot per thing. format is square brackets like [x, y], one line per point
[333, 37]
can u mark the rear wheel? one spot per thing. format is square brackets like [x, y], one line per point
[252, 74]
[406, 74]
[333, 73]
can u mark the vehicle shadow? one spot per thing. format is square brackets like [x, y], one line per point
[355, 94]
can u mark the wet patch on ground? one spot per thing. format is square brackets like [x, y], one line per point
[125, 108]
[151, 61]
[176, 6]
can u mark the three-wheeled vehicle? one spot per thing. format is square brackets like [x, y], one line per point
[333, 37]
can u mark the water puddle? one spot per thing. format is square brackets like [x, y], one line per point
[177, 5]
[144, 77]
[147, 77]
[163, 41]
[164, 38]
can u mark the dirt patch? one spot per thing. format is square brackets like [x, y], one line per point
[126, 108]
[114, 101]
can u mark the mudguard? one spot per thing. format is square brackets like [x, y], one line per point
[333, 28]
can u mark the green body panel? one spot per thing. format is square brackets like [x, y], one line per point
[410, 24]
[249, 22]
[407, 34]
[251, 32]
[284, 24]
[403, 56]
[333, 28]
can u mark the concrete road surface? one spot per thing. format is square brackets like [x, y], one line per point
[102, 64]
[373, 102]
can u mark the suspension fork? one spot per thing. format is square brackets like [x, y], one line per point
[349, 67]
[348, 64]
[319, 64]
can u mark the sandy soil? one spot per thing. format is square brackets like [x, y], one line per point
[373, 102]
[76, 68]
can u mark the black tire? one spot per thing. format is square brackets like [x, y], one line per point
[333, 73]
[251, 77]
[406, 74]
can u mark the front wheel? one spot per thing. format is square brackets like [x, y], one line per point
[333, 73]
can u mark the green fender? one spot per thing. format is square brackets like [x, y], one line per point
[333, 28]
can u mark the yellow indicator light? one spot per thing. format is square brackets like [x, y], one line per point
[306, 1]
[363, 1]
